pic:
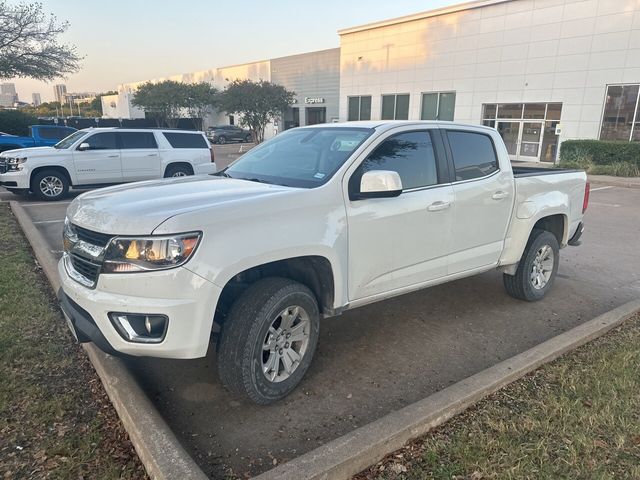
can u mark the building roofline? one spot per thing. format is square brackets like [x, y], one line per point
[418, 16]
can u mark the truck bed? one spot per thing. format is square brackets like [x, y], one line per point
[534, 171]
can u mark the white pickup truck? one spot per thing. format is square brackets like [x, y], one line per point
[314, 222]
[96, 157]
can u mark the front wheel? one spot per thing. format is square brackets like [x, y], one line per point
[268, 340]
[50, 185]
[537, 268]
[247, 139]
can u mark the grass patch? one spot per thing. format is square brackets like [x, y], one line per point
[616, 169]
[55, 418]
[578, 417]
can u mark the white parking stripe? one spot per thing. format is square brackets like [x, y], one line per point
[48, 204]
[601, 188]
[605, 204]
[48, 221]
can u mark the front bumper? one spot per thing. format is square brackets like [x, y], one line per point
[19, 179]
[187, 299]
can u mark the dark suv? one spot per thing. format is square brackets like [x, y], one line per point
[228, 133]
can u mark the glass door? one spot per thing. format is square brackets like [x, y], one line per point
[510, 133]
[530, 137]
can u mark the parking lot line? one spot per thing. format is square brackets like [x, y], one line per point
[48, 204]
[48, 221]
[601, 188]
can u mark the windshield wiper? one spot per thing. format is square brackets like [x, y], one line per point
[222, 173]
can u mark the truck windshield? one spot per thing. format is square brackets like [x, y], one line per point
[70, 140]
[301, 157]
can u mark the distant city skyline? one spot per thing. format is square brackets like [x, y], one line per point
[205, 35]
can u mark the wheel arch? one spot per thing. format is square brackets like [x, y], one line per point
[177, 163]
[313, 271]
[57, 168]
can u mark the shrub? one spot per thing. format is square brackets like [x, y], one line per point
[16, 122]
[600, 152]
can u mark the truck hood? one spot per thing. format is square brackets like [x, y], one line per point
[33, 152]
[139, 208]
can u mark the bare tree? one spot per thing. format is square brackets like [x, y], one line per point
[29, 44]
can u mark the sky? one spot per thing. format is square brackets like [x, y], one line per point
[134, 40]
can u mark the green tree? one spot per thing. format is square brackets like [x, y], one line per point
[201, 99]
[162, 101]
[16, 122]
[256, 104]
[29, 44]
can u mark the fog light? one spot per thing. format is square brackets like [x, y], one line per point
[140, 327]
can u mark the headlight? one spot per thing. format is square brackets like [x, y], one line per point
[149, 253]
[14, 164]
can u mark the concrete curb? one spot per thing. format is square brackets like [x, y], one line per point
[626, 182]
[345, 456]
[158, 448]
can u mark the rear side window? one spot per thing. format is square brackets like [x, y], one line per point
[473, 154]
[185, 140]
[411, 154]
[102, 141]
[131, 140]
[53, 133]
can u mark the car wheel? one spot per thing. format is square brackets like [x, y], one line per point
[268, 339]
[177, 171]
[247, 139]
[222, 140]
[49, 185]
[537, 268]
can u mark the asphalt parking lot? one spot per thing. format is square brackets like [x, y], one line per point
[376, 359]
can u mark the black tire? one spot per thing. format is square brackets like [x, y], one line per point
[247, 139]
[222, 140]
[57, 178]
[520, 285]
[240, 352]
[177, 171]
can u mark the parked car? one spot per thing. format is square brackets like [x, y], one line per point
[103, 156]
[228, 133]
[307, 225]
[39, 136]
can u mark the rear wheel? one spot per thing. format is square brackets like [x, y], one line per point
[268, 339]
[222, 140]
[537, 268]
[49, 185]
[177, 171]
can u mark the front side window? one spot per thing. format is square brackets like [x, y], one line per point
[185, 140]
[102, 141]
[410, 154]
[302, 157]
[438, 106]
[359, 108]
[473, 154]
[620, 111]
[395, 107]
[136, 140]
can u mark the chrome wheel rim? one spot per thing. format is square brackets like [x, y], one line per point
[286, 343]
[51, 186]
[542, 267]
[179, 174]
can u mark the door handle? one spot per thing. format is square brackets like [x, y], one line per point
[152, 155]
[436, 206]
[500, 195]
[112, 156]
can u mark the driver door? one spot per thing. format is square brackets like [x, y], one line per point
[100, 161]
[395, 243]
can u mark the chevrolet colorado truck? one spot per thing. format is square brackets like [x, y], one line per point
[307, 225]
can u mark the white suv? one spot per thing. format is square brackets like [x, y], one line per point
[104, 156]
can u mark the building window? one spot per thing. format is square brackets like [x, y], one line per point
[395, 107]
[359, 108]
[528, 129]
[438, 106]
[620, 117]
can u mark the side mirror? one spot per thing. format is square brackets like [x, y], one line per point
[84, 146]
[380, 184]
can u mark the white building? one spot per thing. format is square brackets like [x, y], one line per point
[8, 95]
[59, 91]
[540, 71]
[36, 99]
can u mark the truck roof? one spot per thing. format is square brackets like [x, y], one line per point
[382, 125]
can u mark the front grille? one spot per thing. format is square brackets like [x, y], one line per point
[95, 238]
[84, 267]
